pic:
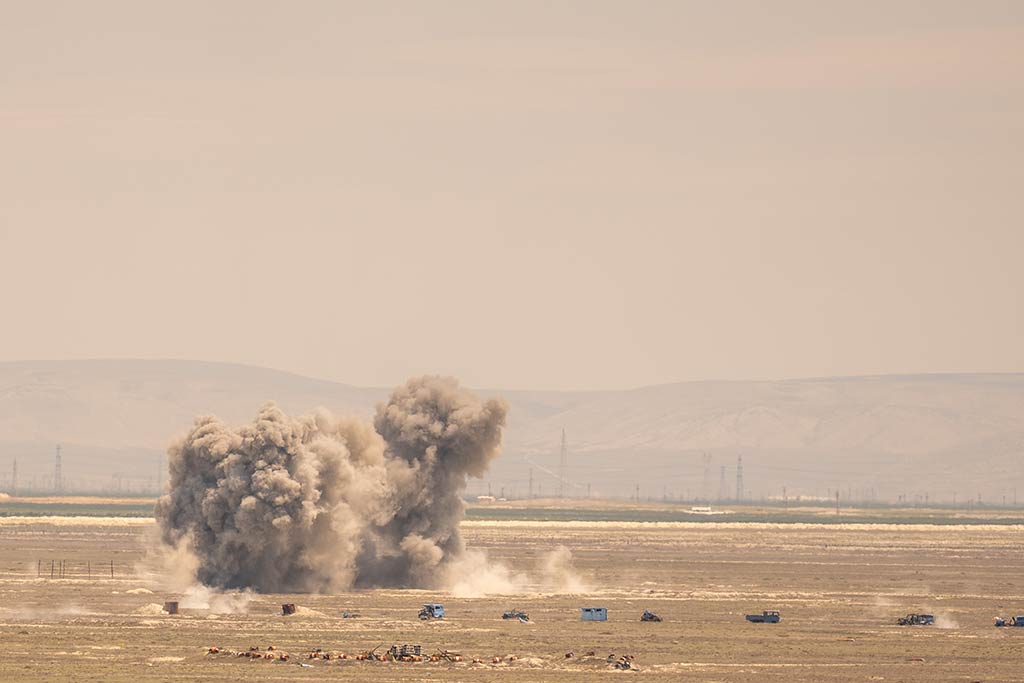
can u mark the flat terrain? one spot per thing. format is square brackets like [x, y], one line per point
[839, 588]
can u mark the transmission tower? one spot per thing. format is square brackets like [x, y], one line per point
[561, 466]
[706, 488]
[58, 482]
[530, 494]
[721, 485]
[739, 478]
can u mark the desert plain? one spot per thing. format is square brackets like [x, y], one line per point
[839, 588]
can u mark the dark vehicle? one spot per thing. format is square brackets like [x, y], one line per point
[648, 615]
[916, 620]
[765, 617]
[1016, 621]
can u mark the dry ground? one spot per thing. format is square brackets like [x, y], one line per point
[840, 589]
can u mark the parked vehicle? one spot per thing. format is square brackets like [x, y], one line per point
[765, 617]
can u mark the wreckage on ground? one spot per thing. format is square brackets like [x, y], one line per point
[516, 614]
[1015, 621]
[648, 615]
[916, 620]
[432, 610]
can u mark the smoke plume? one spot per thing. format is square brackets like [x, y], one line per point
[314, 503]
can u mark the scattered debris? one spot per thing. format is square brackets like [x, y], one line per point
[448, 655]
[766, 617]
[432, 610]
[516, 614]
[916, 620]
[395, 653]
[624, 662]
[350, 615]
[648, 615]
[288, 608]
[1015, 621]
[405, 653]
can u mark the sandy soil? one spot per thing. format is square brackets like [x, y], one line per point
[839, 588]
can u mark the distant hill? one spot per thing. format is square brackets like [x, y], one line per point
[915, 435]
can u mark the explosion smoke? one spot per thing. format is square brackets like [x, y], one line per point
[314, 503]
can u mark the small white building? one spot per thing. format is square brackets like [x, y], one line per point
[593, 614]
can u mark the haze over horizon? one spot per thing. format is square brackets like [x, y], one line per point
[711, 380]
[877, 438]
[587, 195]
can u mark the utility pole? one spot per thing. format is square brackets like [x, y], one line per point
[588, 491]
[58, 483]
[721, 485]
[739, 478]
[530, 494]
[14, 478]
[837, 501]
[785, 499]
[562, 467]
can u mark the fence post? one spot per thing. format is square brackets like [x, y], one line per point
[111, 569]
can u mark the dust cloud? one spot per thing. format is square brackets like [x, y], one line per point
[315, 503]
[474, 575]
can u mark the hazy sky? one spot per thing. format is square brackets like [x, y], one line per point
[524, 194]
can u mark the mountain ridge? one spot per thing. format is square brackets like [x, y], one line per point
[919, 431]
